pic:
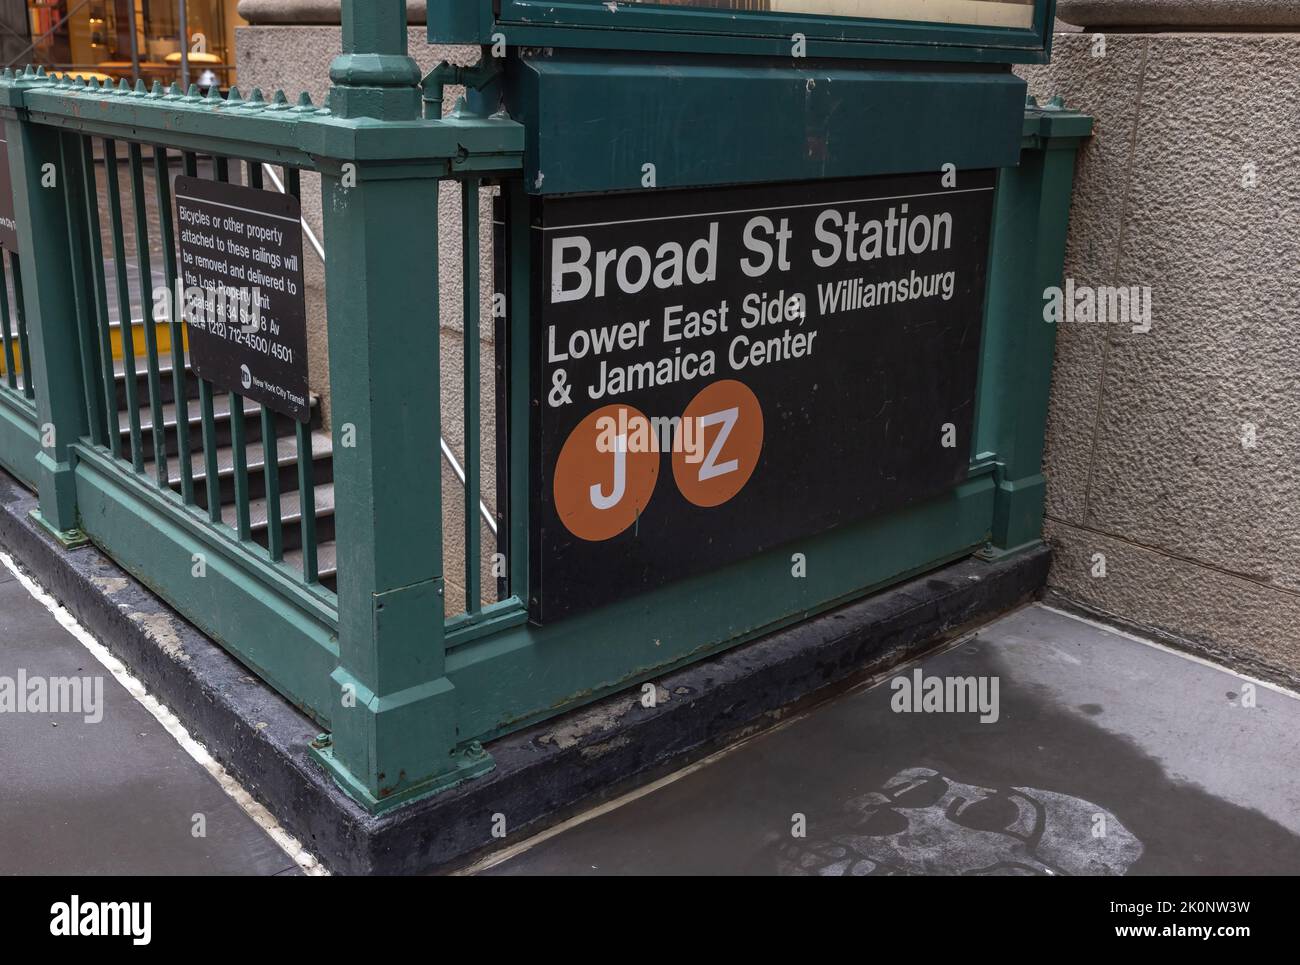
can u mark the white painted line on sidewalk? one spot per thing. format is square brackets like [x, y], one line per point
[263, 818]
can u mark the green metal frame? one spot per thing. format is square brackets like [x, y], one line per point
[19, 440]
[600, 25]
[592, 119]
[406, 696]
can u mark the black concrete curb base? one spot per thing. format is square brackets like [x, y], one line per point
[543, 774]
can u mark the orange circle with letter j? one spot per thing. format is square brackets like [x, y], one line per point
[718, 443]
[606, 472]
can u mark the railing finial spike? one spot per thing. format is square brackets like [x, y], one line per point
[123, 87]
[157, 89]
[193, 93]
[139, 86]
[214, 95]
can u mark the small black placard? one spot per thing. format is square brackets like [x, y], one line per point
[718, 372]
[8, 220]
[242, 291]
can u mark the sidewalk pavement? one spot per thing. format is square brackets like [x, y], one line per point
[114, 796]
[1109, 756]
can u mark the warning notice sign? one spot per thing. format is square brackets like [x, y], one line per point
[241, 291]
[722, 371]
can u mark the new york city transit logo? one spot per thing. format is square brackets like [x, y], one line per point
[609, 465]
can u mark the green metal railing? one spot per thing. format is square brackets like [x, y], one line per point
[193, 489]
[240, 448]
[17, 391]
[213, 500]
[13, 331]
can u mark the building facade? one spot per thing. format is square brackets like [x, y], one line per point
[181, 41]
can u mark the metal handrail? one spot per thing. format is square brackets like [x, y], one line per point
[456, 467]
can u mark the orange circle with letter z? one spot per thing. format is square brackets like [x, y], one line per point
[718, 443]
[606, 472]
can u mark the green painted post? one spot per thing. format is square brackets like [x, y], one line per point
[40, 207]
[394, 735]
[1030, 223]
[374, 76]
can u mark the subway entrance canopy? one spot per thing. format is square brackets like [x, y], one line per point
[768, 286]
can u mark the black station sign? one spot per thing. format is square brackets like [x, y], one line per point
[241, 291]
[719, 372]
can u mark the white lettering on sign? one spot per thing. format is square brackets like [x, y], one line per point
[579, 270]
[575, 274]
[599, 498]
[711, 468]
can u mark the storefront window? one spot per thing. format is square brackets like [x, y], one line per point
[186, 41]
[984, 13]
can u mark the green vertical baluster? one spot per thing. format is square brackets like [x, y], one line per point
[24, 348]
[307, 501]
[123, 302]
[145, 271]
[11, 369]
[306, 469]
[90, 197]
[469, 338]
[70, 158]
[162, 184]
[238, 449]
[274, 521]
[238, 443]
[207, 420]
[271, 461]
[209, 423]
[519, 361]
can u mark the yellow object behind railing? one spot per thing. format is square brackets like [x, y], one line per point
[162, 332]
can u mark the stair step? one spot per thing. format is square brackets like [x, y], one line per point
[223, 435]
[166, 383]
[164, 365]
[194, 414]
[290, 517]
[327, 565]
[139, 345]
[290, 508]
[285, 459]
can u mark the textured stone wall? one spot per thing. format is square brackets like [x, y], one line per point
[1175, 453]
